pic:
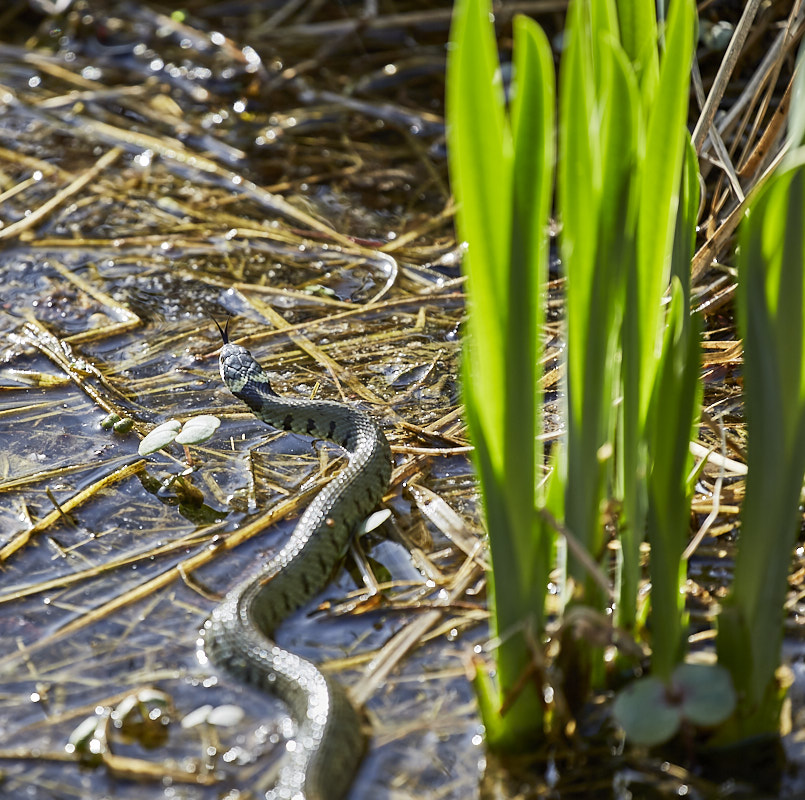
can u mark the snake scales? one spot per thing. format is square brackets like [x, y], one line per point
[328, 745]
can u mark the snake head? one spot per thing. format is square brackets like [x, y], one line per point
[241, 373]
[244, 376]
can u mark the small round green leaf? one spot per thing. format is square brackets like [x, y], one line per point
[123, 425]
[160, 437]
[197, 717]
[225, 716]
[82, 735]
[198, 429]
[109, 420]
[645, 712]
[708, 696]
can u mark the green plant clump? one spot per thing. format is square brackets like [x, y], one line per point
[624, 163]
[771, 317]
[501, 168]
[626, 198]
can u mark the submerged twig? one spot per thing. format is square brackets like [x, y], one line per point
[410, 636]
[188, 565]
[22, 538]
[38, 214]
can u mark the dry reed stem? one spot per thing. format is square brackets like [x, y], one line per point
[186, 566]
[22, 538]
[38, 214]
[411, 636]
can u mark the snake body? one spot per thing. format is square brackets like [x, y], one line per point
[328, 745]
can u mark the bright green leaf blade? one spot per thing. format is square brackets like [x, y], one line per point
[660, 183]
[578, 192]
[603, 21]
[674, 409]
[771, 298]
[619, 135]
[479, 157]
[685, 229]
[533, 98]
[638, 27]
[598, 119]
[532, 112]
[578, 200]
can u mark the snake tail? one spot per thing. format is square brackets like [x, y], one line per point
[328, 745]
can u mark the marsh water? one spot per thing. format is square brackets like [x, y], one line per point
[282, 164]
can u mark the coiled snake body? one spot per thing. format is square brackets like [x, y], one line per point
[328, 745]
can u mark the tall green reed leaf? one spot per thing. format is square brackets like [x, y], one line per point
[675, 406]
[771, 305]
[501, 169]
[673, 414]
[686, 219]
[480, 154]
[586, 203]
[659, 176]
[612, 190]
[638, 29]
[659, 179]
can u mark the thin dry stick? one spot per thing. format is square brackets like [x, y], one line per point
[37, 215]
[22, 538]
[579, 552]
[76, 368]
[770, 136]
[461, 449]
[442, 515]
[417, 300]
[715, 137]
[410, 637]
[190, 564]
[45, 167]
[716, 459]
[56, 472]
[174, 152]
[126, 319]
[121, 766]
[724, 73]
[773, 76]
[427, 18]
[93, 572]
[709, 250]
[759, 76]
[337, 372]
[286, 294]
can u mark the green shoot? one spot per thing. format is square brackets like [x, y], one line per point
[501, 168]
[771, 304]
[659, 179]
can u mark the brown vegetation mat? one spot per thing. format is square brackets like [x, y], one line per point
[283, 163]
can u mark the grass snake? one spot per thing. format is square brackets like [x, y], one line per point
[328, 744]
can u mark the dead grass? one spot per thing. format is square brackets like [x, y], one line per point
[305, 193]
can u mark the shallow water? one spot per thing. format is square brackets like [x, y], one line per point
[260, 183]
